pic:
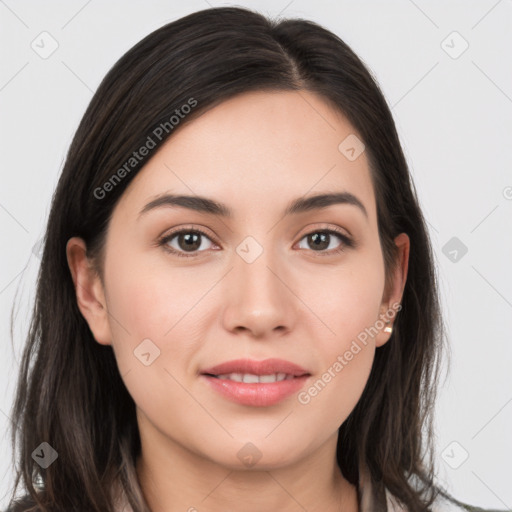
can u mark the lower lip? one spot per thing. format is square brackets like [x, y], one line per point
[256, 394]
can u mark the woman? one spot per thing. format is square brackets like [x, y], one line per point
[237, 305]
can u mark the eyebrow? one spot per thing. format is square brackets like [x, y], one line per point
[210, 206]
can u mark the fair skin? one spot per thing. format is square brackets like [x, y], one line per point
[255, 153]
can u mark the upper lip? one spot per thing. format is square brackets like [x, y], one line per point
[265, 367]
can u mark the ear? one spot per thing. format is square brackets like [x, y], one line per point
[394, 289]
[89, 291]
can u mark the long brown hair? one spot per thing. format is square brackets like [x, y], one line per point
[70, 393]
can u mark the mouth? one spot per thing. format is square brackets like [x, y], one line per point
[251, 378]
[256, 383]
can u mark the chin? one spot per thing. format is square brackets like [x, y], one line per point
[257, 455]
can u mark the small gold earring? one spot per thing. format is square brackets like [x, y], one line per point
[388, 328]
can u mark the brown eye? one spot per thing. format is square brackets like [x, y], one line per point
[319, 241]
[185, 241]
[189, 241]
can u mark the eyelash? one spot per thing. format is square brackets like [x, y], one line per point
[346, 241]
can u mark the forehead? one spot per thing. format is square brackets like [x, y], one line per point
[258, 148]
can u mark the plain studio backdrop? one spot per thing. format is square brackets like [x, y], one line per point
[444, 68]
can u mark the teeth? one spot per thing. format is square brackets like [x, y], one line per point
[250, 378]
[268, 378]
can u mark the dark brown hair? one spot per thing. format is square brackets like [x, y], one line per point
[70, 393]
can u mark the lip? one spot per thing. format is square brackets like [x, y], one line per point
[256, 394]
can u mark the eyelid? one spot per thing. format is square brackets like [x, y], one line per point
[189, 227]
[323, 226]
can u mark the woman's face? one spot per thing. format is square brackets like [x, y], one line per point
[261, 283]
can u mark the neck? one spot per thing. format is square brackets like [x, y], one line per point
[174, 479]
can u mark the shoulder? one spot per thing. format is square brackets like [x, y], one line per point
[448, 503]
[443, 503]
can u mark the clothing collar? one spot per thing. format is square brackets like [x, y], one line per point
[374, 498]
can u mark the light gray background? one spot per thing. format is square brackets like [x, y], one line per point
[454, 117]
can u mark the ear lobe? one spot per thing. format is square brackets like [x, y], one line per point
[393, 296]
[89, 291]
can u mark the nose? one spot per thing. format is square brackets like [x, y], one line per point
[258, 299]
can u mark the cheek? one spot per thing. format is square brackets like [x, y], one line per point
[152, 303]
[348, 297]
[151, 317]
[348, 303]
[333, 394]
[149, 294]
[148, 303]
